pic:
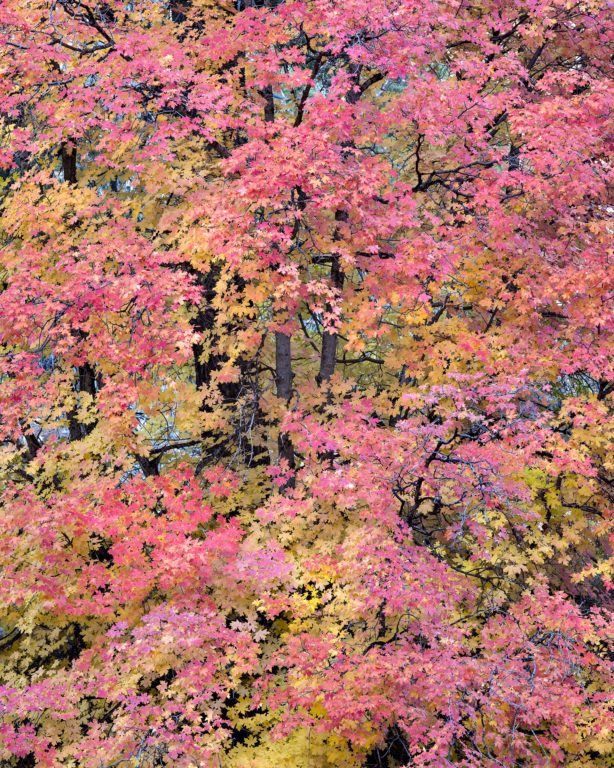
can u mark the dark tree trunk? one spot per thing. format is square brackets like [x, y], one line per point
[328, 356]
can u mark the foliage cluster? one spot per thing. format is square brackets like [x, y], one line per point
[305, 382]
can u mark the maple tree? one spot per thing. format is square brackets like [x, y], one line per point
[305, 383]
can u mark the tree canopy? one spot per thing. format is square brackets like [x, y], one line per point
[305, 383]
